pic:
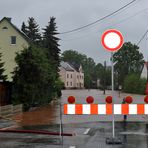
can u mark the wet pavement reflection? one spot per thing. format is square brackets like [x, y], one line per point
[41, 116]
[89, 131]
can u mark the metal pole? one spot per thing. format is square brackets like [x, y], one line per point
[61, 124]
[113, 120]
[104, 77]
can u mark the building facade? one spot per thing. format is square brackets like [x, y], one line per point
[12, 41]
[72, 76]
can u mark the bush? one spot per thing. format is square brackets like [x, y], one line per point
[58, 86]
[134, 84]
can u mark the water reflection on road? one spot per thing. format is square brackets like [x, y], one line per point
[51, 113]
[41, 116]
[134, 134]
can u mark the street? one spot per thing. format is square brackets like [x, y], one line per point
[88, 130]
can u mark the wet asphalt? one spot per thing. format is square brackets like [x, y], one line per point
[89, 131]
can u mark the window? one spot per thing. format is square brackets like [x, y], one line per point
[67, 75]
[71, 75]
[67, 83]
[5, 28]
[77, 77]
[13, 40]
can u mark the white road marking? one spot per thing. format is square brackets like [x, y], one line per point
[72, 147]
[86, 132]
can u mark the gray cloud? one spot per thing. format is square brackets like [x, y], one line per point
[71, 14]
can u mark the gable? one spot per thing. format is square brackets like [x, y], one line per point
[12, 41]
[7, 28]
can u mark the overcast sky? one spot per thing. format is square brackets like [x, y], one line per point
[70, 14]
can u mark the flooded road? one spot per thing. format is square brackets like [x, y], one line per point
[89, 130]
[41, 116]
[51, 113]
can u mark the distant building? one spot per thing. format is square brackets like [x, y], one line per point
[72, 75]
[144, 71]
[12, 40]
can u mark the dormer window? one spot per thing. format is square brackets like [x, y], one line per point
[5, 28]
[13, 40]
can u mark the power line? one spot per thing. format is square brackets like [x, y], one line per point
[90, 24]
[115, 24]
[143, 36]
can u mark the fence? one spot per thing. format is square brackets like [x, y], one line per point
[9, 110]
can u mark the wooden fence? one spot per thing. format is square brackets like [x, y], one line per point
[9, 110]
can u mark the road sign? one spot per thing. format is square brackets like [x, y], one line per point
[112, 40]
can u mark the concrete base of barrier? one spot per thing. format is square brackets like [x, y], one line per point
[113, 141]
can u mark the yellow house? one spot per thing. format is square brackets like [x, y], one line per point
[12, 40]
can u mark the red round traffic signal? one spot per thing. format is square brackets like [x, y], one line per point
[71, 99]
[128, 99]
[109, 99]
[89, 99]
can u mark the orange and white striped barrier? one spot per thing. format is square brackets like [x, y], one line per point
[105, 109]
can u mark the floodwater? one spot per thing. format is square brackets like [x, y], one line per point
[50, 114]
[41, 116]
[89, 130]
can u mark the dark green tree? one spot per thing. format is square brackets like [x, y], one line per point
[106, 77]
[72, 55]
[33, 78]
[50, 42]
[2, 76]
[24, 28]
[134, 84]
[127, 60]
[33, 30]
[99, 68]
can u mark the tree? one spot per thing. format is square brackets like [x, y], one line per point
[99, 69]
[134, 84]
[127, 60]
[24, 28]
[89, 70]
[50, 42]
[33, 30]
[2, 76]
[74, 56]
[33, 78]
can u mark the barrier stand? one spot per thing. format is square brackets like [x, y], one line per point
[106, 109]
